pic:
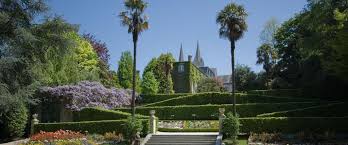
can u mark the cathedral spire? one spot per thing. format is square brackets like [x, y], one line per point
[181, 56]
[198, 60]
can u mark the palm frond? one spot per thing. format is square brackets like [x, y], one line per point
[232, 22]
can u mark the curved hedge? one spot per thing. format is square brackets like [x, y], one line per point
[210, 112]
[328, 110]
[152, 98]
[278, 92]
[223, 98]
[96, 114]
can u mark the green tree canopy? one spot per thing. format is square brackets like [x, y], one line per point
[125, 72]
[163, 71]
[149, 84]
[210, 85]
[125, 69]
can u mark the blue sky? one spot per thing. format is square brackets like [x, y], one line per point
[173, 22]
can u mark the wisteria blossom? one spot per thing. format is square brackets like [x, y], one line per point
[89, 94]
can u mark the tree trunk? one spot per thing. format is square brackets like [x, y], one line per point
[135, 39]
[233, 78]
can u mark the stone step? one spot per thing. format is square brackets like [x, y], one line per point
[182, 140]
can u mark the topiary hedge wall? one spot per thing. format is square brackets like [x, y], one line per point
[96, 114]
[210, 112]
[99, 127]
[223, 98]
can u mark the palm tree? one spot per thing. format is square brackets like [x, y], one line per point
[232, 27]
[133, 18]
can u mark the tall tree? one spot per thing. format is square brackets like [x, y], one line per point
[266, 53]
[103, 54]
[267, 34]
[133, 18]
[162, 72]
[125, 69]
[149, 84]
[266, 56]
[245, 78]
[232, 20]
[99, 47]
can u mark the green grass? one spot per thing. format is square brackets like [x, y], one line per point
[242, 141]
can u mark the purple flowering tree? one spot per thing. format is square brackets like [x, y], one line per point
[89, 94]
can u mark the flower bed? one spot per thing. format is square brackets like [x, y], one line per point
[67, 137]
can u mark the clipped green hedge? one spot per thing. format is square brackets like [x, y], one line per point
[223, 98]
[152, 98]
[294, 124]
[210, 112]
[278, 92]
[188, 130]
[327, 110]
[99, 127]
[96, 114]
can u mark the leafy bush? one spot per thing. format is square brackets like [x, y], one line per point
[293, 124]
[89, 94]
[210, 112]
[96, 114]
[131, 128]
[113, 136]
[230, 127]
[265, 137]
[223, 98]
[152, 98]
[14, 120]
[99, 127]
[327, 110]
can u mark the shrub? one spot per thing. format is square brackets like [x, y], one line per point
[210, 112]
[13, 122]
[113, 136]
[265, 137]
[96, 114]
[99, 127]
[223, 98]
[230, 127]
[152, 98]
[210, 85]
[327, 110]
[88, 94]
[131, 128]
